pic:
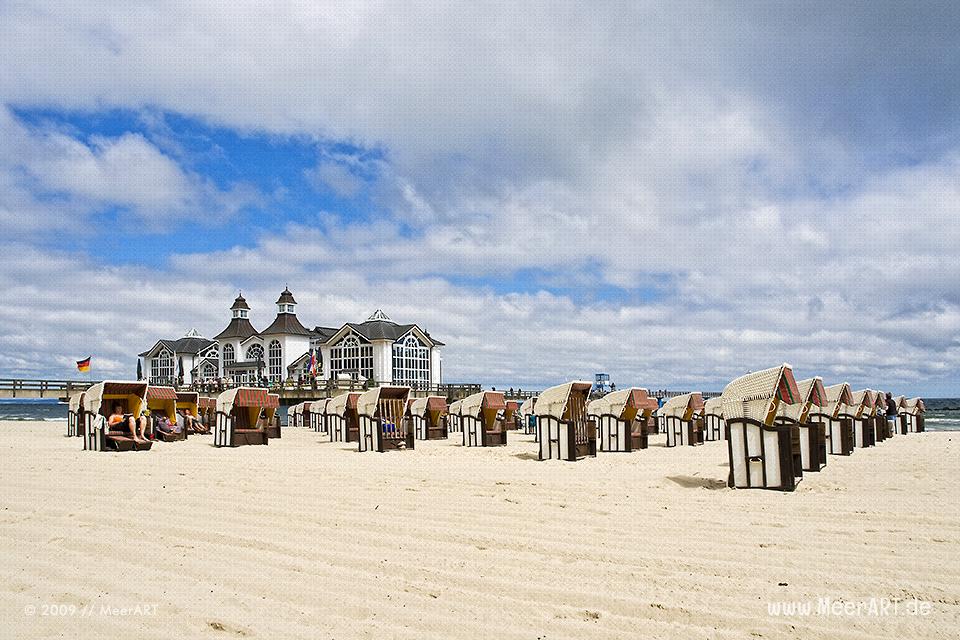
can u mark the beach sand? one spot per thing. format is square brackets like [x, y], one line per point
[309, 539]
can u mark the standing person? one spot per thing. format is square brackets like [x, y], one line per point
[892, 412]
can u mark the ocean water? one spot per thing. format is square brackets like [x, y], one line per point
[943, 414]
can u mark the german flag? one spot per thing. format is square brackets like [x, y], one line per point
[83, 366]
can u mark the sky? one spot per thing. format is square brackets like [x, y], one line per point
[673, 193]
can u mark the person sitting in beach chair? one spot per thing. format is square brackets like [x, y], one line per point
[162, 424]
[127, 421]
[191, 422]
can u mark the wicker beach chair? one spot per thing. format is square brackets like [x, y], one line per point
[343, 423]
[911, 415]
[453, 417]
[294, 415]
[238, 416]
[714, 427]
[208, 412]
[682, 420]
[313, 415]
[881, 426]
[383, 422]
[98, 402]
[763, 454]
[162, 402]
[270, 418]
[564, 430]
[813, 433]
[860, 411]
[75, 418]
[528, 416]
[189, 401]
[511, 415]
[429, 417]
[479, 419]
[623, 419]
[834, 413]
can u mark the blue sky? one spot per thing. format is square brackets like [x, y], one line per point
[672, 193]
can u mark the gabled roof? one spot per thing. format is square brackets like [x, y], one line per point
[286, 324]
[293, 366]
[187, 344]
[325, 333]
[384, 330]
[238, 328]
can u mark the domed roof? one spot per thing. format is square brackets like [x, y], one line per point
[286, 297]
[240, 303]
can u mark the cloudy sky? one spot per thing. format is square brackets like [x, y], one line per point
[672, 193]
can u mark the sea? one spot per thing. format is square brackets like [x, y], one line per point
[943, 414]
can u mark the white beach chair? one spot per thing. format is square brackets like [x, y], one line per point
[381, 412]
[763, 454]
[813, 433]
[622, 419]
[714, 428]
[341, 417]
[682, 421]
[834, 414]
[564, 431]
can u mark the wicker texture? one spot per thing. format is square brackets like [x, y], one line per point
[757, 395]
[553, 401]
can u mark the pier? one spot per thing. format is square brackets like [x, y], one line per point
[11, 388]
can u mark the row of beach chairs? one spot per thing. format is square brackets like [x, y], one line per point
[237, 416]
[775, 427]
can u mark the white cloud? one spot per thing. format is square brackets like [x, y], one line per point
[789, 182]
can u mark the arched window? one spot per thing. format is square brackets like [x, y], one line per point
[411, 363]
[209, 371]
[352, 357]
[161, 368]
[254, 353]
[228, 355]
[275, 363]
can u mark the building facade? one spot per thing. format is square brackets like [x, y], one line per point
[377, 349]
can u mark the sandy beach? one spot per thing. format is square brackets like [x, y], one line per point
[309, 539]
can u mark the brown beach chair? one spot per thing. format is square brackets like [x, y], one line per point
[429, 417]
[238, 415]
[623, 418]
[480, 422]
